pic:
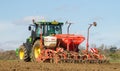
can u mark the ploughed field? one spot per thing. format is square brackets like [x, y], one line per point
[34, 66]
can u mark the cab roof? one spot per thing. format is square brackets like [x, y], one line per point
[49, 23]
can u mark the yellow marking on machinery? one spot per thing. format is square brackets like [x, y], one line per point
[37, 52]
[54, 22]
[21, 54]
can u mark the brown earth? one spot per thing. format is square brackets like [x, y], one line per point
[32, 66]
[8, 62]
[8, 55]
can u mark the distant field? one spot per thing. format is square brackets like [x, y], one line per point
[32, 66]
[114, 61]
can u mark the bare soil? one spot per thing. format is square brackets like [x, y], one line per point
[34, 66]
[9, 62]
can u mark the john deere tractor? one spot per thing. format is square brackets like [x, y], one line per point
[31, 49]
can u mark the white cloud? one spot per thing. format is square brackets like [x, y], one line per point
[10, 33]
[5, 26]
[107, 38]
[10, 45]
[28, 20]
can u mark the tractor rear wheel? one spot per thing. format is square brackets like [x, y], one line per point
[23, 54]
[36, 50]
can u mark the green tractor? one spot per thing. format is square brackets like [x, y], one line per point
[31, 49]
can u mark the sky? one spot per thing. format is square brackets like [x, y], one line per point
[16, 15]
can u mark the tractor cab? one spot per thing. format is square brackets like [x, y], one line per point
[46, 28]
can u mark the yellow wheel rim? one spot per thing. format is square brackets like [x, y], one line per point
[37, 52]
[21, 54]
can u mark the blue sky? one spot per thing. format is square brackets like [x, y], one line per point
[16, 15]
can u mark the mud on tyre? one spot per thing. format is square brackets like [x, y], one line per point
[36, 50]
[23, 54]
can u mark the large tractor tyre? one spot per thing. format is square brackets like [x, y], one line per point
[23, 54]
[36, 50]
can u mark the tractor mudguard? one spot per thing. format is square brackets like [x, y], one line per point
[27, 46]
[16, 51]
